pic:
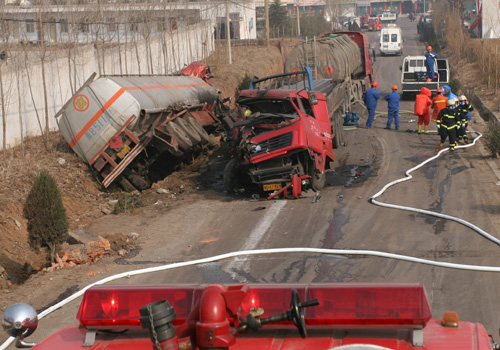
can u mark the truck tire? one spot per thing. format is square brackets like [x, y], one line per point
[141, 182]
[196, 125]
[317, 179]
[182, 139]
[193, 135]
[126, 185]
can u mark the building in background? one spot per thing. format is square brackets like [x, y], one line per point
[489, 16]
[86, 21]
[347, 8]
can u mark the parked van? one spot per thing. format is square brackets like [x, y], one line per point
[391, 40]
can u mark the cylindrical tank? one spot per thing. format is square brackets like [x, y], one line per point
[333, 57]
[102, 107]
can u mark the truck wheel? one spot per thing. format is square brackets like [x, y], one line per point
[230, 177]
[141, 182]
[126, 185]
[317, 179]
[182, 139]
[205, 138]
[189, 130]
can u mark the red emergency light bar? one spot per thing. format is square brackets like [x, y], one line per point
[342, 305]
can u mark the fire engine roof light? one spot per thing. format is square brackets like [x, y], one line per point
[342, 305]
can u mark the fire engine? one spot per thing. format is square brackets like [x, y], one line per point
[341, 316]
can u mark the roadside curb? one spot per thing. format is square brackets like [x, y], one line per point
[484, 112]
[488, 116]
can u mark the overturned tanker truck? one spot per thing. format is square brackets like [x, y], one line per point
[290, 123]
[120, 125]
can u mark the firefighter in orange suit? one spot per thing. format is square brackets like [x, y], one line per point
[438, 103]
[422, 108]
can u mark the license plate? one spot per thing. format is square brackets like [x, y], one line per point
[272, 187]
[124, 151]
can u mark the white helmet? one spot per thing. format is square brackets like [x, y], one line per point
[451, 102]
[462, 98]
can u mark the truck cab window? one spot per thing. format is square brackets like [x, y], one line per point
[306, 107]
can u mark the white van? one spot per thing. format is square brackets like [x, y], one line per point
[391, 40]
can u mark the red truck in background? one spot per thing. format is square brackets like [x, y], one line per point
[336, 316]
[290, 123]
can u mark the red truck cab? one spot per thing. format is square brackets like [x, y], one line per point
[343, 316]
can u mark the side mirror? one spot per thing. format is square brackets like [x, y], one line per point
[20, 321]
[313, 99]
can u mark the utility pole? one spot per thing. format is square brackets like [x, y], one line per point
[266, 5]
[298, 20]
[228, 33]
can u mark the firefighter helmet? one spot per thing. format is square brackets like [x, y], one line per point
[451, 102]
[462, 98]
[438, 90]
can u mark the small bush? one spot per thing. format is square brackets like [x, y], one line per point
[46, 215]
[492, 138]
[245, 83]
[127, 203]
[455, 85]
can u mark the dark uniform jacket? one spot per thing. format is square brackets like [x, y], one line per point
[464, 109]
[449, 118]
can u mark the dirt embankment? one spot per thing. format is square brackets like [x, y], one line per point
[83, 198]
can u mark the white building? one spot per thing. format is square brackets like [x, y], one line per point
[113, 22]
[490, 18]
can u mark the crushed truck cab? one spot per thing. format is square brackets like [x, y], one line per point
[413, 75]
[291, 122]
[337, 316]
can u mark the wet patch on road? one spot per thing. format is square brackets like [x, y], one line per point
[348, 175]
[459, 169]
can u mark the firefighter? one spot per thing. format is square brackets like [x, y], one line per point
[430, 58]
[447, 123]
[370, 98]
[465, 108]
[393, 108]
[422, 109]
[438, 103]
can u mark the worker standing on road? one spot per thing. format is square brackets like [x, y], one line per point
[438, 103]
[465, 108]
[393, 108]
[447, 123]
[370, 98]
[430, 58]
[423, 109]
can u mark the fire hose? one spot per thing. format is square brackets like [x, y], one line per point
[346, 252]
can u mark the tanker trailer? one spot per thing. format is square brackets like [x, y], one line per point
[119, 125]
[342, 68]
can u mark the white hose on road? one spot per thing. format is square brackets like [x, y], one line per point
[428, 212]
[304, 250]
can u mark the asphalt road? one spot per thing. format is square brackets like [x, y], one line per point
[459, 184]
